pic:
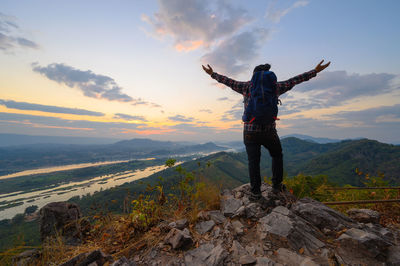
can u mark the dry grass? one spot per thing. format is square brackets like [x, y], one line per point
[118, 236]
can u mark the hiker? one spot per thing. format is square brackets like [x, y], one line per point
[260, 114]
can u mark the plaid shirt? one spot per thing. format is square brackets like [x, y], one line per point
[244, 88]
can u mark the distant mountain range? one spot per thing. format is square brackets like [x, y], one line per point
[313, 139]
[23, 157]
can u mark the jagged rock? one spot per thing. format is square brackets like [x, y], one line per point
[179, 239]
[379, 230]
[264, 261]
[217, 231]
[217, 216]
[243, 188]
[356, 244]
[285, 229]
[257, 210]
[204, 227]
[247, 260]
[123, 262]
[179, 224]
[94, 258]
[250, 249]
[206, 254]
[238, 194]
[230, 205]
[241, 212]
[237, 250]
[290, 258]
[237, 227]
[61, 217]
[393, 256]
[326, 257]
[364, 215]
[321, 215]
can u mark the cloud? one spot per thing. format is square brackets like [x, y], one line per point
[233, 54]
[47, 108]
[233, 114]
[205, 111]
[336, 88]
[215, 26]
[380, 123]
[44, 125]
[130, 117]
[9, 35]
[377, 116]
[181, 118]
[140, 101]
[223, 99]
[91, 84]
[275, 14]
[196, 23]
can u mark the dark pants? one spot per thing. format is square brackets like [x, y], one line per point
[253, 142]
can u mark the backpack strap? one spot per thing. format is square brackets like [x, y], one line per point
[262, 87]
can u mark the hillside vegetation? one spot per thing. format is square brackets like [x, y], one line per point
[337, 162]
[310, 169]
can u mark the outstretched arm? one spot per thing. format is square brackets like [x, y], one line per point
[238, 86]
[284, 86]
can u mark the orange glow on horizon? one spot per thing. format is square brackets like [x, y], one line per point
[148, 132]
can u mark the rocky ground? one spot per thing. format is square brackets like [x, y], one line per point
[276, 230]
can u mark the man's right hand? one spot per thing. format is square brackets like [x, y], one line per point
[321, 67]
[208, 70]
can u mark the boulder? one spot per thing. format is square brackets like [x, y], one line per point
[230, 205]
[61, 218]
[290, 258]
[217, 216]
[379, 230]
[264, 261]
[237, 227]
[237, 250]
[179, 239]
[321, 215]
[364, 215]
[359, 246]
[247, 260]
[285, 229]
[206, 254]
[204, 227]
[123, 262]
[179, 224]
[393, 256]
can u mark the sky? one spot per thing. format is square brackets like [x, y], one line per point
[132, 69]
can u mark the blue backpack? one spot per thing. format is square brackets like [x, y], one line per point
[262, 107]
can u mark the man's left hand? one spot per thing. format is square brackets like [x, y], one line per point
[321, 67]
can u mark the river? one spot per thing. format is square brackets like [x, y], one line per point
[65, 191]
[62, 168]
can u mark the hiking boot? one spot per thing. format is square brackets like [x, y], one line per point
[278, 188]
[254, 196]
